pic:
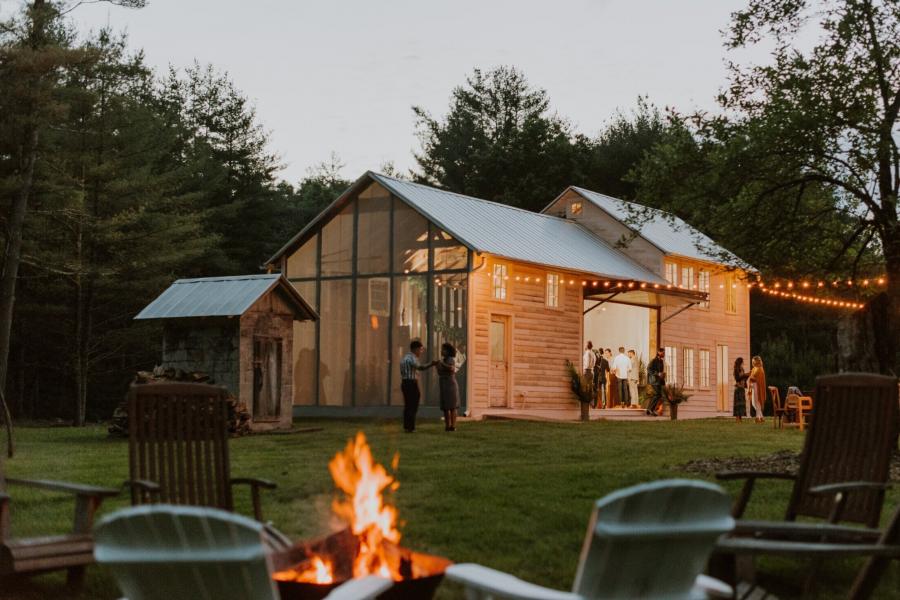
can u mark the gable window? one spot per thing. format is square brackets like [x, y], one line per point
[672, 273]
[704, 368]
[688, 367]
[671, 364]
[687, 277]
[730, 293]
[552, 290]
[703, 286]
[575, 208]
[499, 281]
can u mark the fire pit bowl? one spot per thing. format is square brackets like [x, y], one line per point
[419, 574]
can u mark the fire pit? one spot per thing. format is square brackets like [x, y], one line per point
[368, 546]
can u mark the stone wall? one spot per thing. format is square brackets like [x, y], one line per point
[207, 345]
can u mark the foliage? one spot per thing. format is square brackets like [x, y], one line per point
[673, 393]
[499, 141]
[582, 385]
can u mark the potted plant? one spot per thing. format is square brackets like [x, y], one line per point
[674, 395]
[582, 387]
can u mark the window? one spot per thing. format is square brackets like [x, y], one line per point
[448, 253]
[373, 231]
[410, 239]
[302, 263]
[337, 244]
[730, 294]
[703, 286]
[687, 277]
[552, 290]
[498, 284]
[688, 367]
[575, 208]
[704, 368]
[672, 273]
[671, 365]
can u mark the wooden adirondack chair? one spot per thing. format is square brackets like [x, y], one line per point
[647, 541]
[178, 447]
[849, 443]
[71, 551]
[166, 552]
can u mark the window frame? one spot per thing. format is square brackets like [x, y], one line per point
[551, 296]
[705, 370]
[688, 355]
[671, 362]
[704, 274]
[500, 282]
[576, 208]
[687, 272]
[672, 277]
[730, 294]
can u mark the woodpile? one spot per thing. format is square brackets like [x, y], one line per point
[238, 415]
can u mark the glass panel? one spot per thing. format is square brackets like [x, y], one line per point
[373, 312]
[449, 314]
[498, 341]
[410, 239]
[448, 253]
[302, 263]
[687, 277]
[410, 322]
[334, 355]
[730, 294]
[499, 282]
[672, 273]
[304, 350]
[374, 229]
[337, 244]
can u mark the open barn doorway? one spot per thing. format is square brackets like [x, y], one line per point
[614, 325]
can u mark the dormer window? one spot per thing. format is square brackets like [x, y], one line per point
[575, 208]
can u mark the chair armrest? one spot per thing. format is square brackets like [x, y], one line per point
[749, 546]
[146, 490]
[848, 486]
[254, 481]
[364, 588]
[66, 487]
[749, 477]
[799, 531]
[495, 582]
[712, 587]
[255, 484]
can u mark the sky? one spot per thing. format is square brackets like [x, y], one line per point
[341, 76]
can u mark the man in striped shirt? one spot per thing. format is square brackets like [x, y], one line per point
[409, 383]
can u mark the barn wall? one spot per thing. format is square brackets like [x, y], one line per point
[209, 345]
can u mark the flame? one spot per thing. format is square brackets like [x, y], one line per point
[363, 481]
[319, 571]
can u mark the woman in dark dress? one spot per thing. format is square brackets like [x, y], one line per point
[449, 389]
[740, 394]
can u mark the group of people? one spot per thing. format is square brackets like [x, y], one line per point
[446, 366]
[614, 380]
[750, 386]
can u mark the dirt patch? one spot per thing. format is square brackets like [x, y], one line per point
[784, 461]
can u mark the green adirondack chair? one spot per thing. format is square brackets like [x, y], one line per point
[647, 541]
[165, 552]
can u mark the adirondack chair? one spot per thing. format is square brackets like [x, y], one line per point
[647, 541]
[178, 447]
[849, 443]
[71, 551]
[166, 552]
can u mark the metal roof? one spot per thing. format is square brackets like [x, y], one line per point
[518, 234]
[220, 297]
[667, 232]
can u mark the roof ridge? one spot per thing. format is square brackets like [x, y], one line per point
[228, 278]
[492, 202]
[632, 203]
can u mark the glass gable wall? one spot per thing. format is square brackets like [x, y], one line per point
[381, 276]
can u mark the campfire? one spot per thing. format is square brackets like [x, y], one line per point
[370, 543]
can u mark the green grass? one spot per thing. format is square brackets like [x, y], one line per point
[512, 495]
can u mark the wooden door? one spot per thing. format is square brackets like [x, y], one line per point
[266, 378]
[723, 380]
[500, 363]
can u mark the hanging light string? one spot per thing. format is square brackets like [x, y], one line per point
[871, 283]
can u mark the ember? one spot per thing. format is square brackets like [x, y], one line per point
[369, 545]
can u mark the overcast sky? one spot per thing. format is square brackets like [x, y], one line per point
[340, 75]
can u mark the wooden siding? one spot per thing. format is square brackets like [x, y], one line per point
[542, 338]
[610, 230]
[704, 329]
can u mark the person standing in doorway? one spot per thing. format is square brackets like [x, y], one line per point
[612, 381]
[588, 361]
[756, 387]
[656, 377]
[449, 389]
[621, 365]
[601, 371]
[634, 374]
[409, 383]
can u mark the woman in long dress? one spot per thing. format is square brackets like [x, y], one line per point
[449, 389]
[739, 409]
[756, 387]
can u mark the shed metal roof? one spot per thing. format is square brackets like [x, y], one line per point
[502, 230]
[667, 232]
[220, 297]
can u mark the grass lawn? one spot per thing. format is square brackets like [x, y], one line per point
[512, 495]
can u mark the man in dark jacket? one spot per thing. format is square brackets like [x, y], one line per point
[601, 369]
[656, 376]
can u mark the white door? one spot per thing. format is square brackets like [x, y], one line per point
[723, 379]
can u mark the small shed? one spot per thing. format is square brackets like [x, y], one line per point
[239, 330]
